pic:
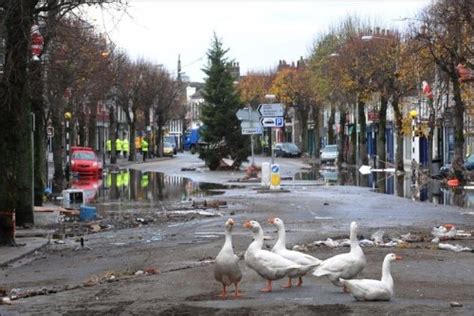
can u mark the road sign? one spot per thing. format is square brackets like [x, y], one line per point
[250, 124]
[272, 121]
[247, 114]
[252, 131]
[50, 131]
[270, 110]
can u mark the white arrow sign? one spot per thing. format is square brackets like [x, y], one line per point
[247, 114]
[270, 110]
[368, 169]
[272, 121]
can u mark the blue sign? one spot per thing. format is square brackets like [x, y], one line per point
[279, 121]
[275, 168]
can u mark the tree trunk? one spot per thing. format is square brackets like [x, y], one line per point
[381, 139]
[317, 136]
[331, 121]
[37, 104]
[132, 154]
[113, 135]
[399, 165]
[15, 127]
[159, 138]
[303, 118]
[364, 159]
[458, 160]
[92, 127]
[342, 143]
[58, 149]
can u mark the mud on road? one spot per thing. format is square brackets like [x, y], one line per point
[165, 266]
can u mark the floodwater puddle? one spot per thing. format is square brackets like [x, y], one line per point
[431, 190]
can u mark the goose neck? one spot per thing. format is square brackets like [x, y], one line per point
[386, 274]
[281, 242]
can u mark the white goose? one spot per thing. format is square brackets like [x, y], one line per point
[346, 265]
[295, 256]
[226, 268]
[268, 265]
[374, 290]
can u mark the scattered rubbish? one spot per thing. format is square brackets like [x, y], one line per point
[377, 237]
[455, 248]
[322, 217]
[60, 242]
[467, 213]
[87, 213]
[6, 301]
[151, 271]
[328, 243]
[455, 304]
[444, 232]
[139, 272]
[435, 240]
[367, 243]
[95, 228]
[209, 204]
[188, 169]
[462, 233]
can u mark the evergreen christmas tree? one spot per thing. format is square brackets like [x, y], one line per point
[221, 130]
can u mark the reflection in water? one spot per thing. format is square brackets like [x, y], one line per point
[134, 185]
[424, 190]
[127, 187]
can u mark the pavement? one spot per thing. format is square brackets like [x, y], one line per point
[26, 244]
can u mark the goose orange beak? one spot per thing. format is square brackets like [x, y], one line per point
[398, 257]
[271, 220]
[247, 224]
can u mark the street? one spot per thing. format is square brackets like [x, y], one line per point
[165, 267]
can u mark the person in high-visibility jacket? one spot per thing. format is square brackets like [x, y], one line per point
[108, 147]
[144, 145]
[144, 180]
[118, 146]
[125, 147]
[138, 144]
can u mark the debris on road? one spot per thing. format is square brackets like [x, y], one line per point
[455, 304]
[455, 248]
[444, 232]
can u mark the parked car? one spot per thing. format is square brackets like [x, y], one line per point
[168, 149]
[447, 169]
[329, 153]
[287, 150]
[172, 140]
[84, 162]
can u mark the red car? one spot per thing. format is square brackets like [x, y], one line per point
[85, 162]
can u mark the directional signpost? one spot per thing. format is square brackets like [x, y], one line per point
[272, 121]
[249, 124]
[270, 110]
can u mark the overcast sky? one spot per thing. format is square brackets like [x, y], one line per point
[258, 34]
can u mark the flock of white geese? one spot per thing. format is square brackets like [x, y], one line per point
[281, 262]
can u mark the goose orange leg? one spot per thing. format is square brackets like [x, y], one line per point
[224, 292]
[300, 282]
[288, 285]
[268, 288]
[237, 293]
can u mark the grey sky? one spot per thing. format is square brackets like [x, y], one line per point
[257, 33]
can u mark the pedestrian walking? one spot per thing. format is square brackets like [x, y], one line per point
[108, 146]
[144, 146]
[118, 146]
[125, 147]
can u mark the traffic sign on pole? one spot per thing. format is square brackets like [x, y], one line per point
[247, 114]
[272, 121]
[270, 110]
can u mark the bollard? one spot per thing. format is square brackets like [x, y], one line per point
[275, 177]
[265, 174]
